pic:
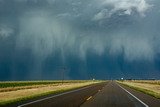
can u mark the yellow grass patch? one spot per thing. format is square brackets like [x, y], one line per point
[149, 87]
[37, 90]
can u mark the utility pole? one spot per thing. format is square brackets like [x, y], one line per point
[63, 69]
[62, 74]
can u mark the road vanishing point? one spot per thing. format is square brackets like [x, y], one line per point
[109, 94]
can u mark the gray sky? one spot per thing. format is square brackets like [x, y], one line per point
[92, 38]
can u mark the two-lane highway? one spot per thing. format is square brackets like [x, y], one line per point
[116, 95]
[109, 94]
[73, 98]
[113, 95]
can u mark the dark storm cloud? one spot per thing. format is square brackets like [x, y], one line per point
[70, 31]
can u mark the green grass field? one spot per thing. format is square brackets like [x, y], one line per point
[6, 84]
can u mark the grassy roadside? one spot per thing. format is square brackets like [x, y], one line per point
[3, 103]
[156, 82]
[53, 90]
[135, 86]
[7, 84]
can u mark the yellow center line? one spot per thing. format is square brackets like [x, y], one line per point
[89, 98]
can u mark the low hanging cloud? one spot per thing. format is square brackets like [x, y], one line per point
[46, 33]
[5, 31]
[133, 48]
[43, 34]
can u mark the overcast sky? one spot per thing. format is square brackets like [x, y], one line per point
[102, 39]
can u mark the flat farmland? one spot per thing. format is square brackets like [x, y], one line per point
[16, 91]
[82, 94]
[151, 87]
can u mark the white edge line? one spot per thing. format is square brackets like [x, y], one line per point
[53, 96]
[133, 96]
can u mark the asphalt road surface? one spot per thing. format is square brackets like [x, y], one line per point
[109, 94]
[115, 95]
[73, 98]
